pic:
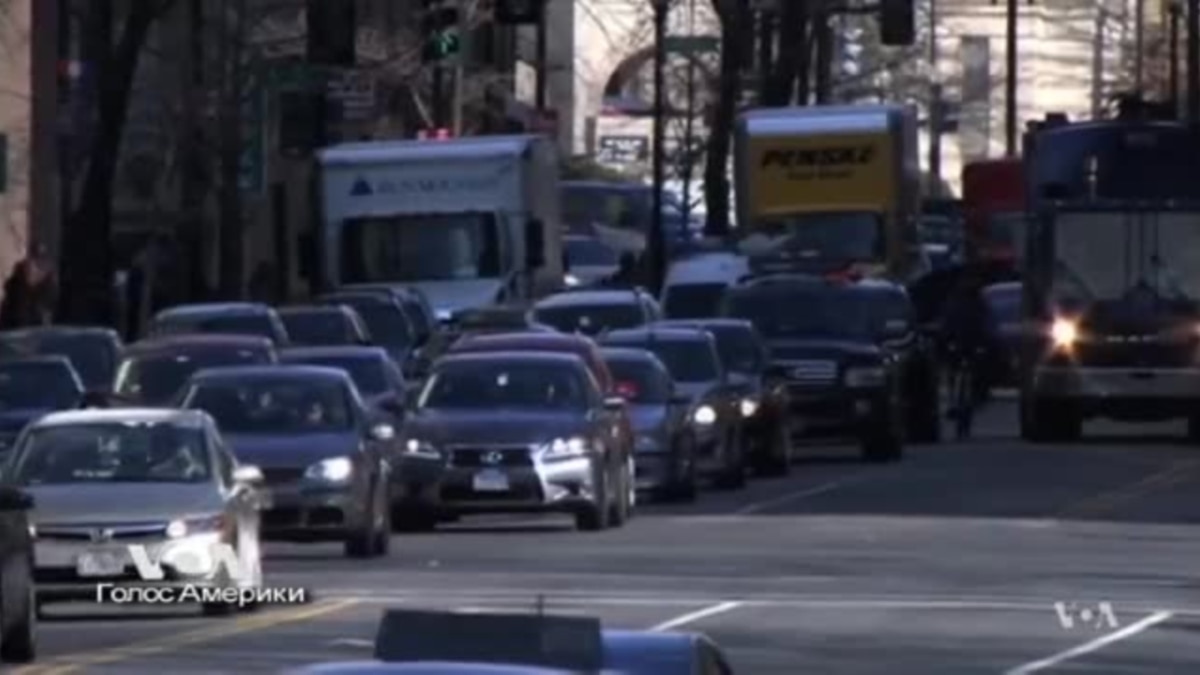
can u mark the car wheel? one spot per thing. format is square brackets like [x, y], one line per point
[778, 461]
[622, 505]
[18, 643]
[734, 475]
[594, 517]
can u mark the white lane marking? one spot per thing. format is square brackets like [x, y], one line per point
[1092, 645]
[691, 617]
[759, 507]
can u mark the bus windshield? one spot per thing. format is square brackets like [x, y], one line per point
[1108, 255]
[849, 237]
[420, 247]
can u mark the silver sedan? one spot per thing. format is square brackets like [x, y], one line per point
[130, 500]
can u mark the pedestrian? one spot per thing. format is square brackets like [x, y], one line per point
[30, 292]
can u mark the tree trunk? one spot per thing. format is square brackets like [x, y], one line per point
[789, 67]
[734, 16]
[87, 274]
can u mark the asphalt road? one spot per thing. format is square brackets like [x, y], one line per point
[949, 562]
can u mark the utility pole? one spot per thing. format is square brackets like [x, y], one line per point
[542, 64]
[1010, 81]
[823, 66]
[654, 245]
[1193, 60]
[935, 103]
[689, 155]
[1139, 45]
[1175, 11]
[232, 266]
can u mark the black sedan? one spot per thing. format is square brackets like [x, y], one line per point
[321, 451]
[715, 417]
[320, 325]
[841, 381]
[763, 401]
[385, 317]
[224, 318]
[18, 610]
[94, 351]
[664, 461]
[154, 370]
[32, 387]
[524, 432]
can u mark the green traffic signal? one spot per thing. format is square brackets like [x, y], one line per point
[446, 44]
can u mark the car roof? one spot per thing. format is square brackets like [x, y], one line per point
[368, 296]
[201, 341]
[289, 371]
[590, 297]
[512, 357]
[314, 309]
[334, 352]
[192, 418]
[628, 354]
[648, 334]
[60, 330]
[522, 341]
[207, 308]
[38, 360]
[423, 668]
[713, 322]
[644, 651]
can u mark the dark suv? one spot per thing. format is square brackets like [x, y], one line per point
[827, 344]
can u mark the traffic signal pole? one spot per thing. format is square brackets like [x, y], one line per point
[542, 65]
[438, 96]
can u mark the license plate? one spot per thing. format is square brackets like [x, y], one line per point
[100, 564]
[491, 481]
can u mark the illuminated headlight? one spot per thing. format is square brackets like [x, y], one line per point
[1064, 333]
[443, 315]
[705, 415]
[415, 446]
[748, 406]
[563, 448]
[864, 377]
[334, 470]
[571, 280]
[178, 529]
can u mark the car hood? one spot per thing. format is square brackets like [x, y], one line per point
[113, 503]
[695, 390]
[13, 421]
[649, 418]
[291, 450]
[503, 427]
[746, 383]
[827, 349]
[449, 296]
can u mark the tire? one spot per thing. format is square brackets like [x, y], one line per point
[18, 643]
[621, 508]
[779, 461]
[686, 486]
[594, 517]
[383, 536]
[734, 477]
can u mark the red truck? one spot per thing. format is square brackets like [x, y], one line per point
[993, 193]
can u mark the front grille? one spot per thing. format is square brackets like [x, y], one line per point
[277, 475]
[810, 373]
[1129, 352]
[477, 457]
[102, 532]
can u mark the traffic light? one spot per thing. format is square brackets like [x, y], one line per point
[440, 25]
[897, 23]
[332, 27]
[519, 12]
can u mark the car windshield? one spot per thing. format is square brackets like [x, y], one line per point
[397, 248]
[686, 360]
[828, 313]
[50, 386]
[231, 324]
[849, 237]
[273, 405]
[369, 374]
[590, 319]
[1110, 256]
[156, 378]
[387, 322]
[639, 382]
[738, 348]
[112, 452]
[91, 355]
[513, 384]
[318, 328]
[693, 301]
[590, 253]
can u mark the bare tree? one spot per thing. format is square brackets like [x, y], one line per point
[734, 18]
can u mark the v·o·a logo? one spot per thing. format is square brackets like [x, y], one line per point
[361, 188]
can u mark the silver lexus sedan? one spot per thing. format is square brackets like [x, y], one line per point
[119, 492]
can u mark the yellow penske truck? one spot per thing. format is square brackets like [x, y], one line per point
[829, 189]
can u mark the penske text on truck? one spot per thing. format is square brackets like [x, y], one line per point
[837, 183]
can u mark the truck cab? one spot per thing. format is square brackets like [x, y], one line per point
[469, 222]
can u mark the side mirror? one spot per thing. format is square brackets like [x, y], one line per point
[535, 244]
[614, 402]
[248, 474]
[12, 499]
[383, 432]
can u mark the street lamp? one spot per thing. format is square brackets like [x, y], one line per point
[1175, 8]
[655, 264]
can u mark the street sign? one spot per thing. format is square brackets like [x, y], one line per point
[355, 91]
[623, 149]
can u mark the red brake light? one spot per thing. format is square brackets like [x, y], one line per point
[626, 390]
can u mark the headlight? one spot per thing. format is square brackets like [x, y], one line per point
[177, 529]
[561, 448]
[865, 377]
[1064, 333]
[335, 470]
[571, 280]
[748, 407]
[414, 446]
[705, 415]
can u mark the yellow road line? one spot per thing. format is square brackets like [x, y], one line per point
[1107, 502]
[241, 626]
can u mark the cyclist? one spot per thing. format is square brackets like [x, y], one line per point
[965, 335]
